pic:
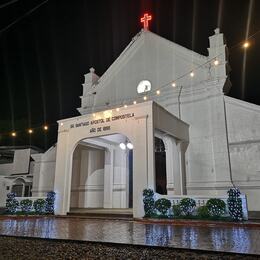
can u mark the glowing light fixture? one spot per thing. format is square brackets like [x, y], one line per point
[145, 97]
[216, 62]
[45, 127]
[134, 102]
[117, 109]
[93, 114]
[129, 146]
[13, 134]
[246, 44]
[192, 74]
[30, 131]
[158, 92]
[174, 84]
[122, 146]
[125, 106]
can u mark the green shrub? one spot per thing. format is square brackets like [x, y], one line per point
[49, 207]
[234, 203]
[203, 212]
[163, 205]
[39, 206]
[26, 205]
[187, 206]
[11, 203]
[148, 193]
[176, 209]
[149, 203]
[216, 207]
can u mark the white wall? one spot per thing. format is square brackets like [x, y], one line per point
[44, 172]
[244, 144]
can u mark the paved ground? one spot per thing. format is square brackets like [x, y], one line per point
[223, 239]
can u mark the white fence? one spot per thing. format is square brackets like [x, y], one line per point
[202, 200]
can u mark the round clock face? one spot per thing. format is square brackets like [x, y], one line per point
[144, 86]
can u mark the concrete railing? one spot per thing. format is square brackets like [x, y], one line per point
[202, 200]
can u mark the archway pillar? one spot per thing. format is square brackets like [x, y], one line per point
[108, 177]
[62, 175]
[173, 172]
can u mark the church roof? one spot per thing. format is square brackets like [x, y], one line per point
[136, 43]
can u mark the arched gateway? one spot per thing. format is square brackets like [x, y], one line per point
[140, 123]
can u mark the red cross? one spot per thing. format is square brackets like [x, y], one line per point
[145, 20]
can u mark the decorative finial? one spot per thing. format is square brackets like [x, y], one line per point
[145, 20]
[92, 70]
[217, 31]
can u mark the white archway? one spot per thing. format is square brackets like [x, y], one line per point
[137, 122]
[101, 173]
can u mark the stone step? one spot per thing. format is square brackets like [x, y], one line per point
[102, 213]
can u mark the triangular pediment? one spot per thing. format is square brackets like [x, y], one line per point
[147, 57]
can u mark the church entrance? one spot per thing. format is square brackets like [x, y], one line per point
[160, 167]
[105, 160]
[102, 173]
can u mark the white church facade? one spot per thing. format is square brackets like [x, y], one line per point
[157, 118]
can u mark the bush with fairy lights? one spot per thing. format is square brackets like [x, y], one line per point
[163, 205]
[187, 206]
[234, 203]
[26, 205]
[39, 206]
[49, 207]
[216, 207]
[11, 203]
[149, 203]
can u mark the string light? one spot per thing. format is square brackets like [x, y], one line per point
[215, 61]
[158, 92]
[30, 131]
[246, 44]
[125, 106]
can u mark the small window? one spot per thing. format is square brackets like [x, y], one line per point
[144, 86]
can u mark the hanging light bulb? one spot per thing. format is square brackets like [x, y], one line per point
[134, 102]
[45, 127]
[129, 146]
[30, 131]
[13, 134]
[246, 44]
[145, 97]
[125, 106]
[192, 74]
[158, 92]
[173, 84]
[216, 62]
[122, 146]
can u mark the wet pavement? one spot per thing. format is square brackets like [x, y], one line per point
[235, 239]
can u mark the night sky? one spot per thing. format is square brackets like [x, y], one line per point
[45, 55]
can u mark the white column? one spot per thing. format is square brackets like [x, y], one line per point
[108, 178]
[62, 175]
[173, 171]
[169, 164]
[182, 147]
